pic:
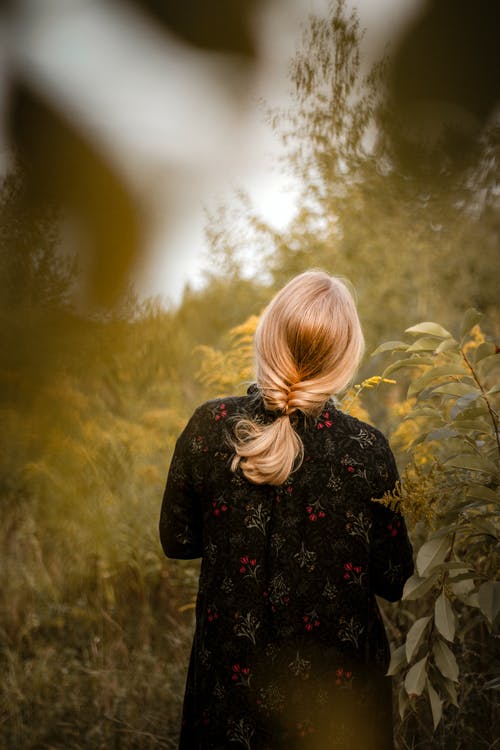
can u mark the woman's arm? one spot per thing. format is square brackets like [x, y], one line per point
[181, 517]
[391, 554]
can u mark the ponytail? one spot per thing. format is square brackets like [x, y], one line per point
[308, 346]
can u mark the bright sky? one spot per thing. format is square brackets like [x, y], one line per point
[185, 130]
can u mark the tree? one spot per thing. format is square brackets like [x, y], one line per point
[408, 240]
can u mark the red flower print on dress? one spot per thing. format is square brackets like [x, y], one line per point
[220, 412]
[343, 678]
[353, 573]
[315, 510]
[249, 567]
[219, 505]
[393, 528]
[324, 421]
[241, 675]
[212, 614]
[311, 620]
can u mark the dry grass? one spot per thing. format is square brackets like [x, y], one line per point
[91, 656]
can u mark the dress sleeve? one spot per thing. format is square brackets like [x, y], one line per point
[181, 518]
[391, 554]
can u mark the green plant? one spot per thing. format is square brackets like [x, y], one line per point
[454, 420]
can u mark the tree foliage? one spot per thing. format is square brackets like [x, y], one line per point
[401, 237]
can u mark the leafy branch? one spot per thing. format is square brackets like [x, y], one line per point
[452, 414]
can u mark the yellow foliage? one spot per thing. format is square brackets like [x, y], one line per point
[350, 402]
[159, 418]
[227, 372]
[65, 391]
[150, 474]
[420, 494]
[476, 338]
[407, 429]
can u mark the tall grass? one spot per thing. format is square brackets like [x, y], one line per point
[92, 655]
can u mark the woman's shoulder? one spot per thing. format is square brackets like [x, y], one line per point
[221, 407]
[353, 426]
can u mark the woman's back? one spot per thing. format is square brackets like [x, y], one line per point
[289, 642]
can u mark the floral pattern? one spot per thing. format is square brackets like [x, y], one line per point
[289, 642]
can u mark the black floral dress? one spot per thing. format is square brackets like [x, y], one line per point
[290, 649]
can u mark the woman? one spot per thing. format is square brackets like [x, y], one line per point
[274, 491]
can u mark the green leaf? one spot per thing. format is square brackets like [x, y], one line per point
[444, 617]
[485, 526]
[398, 659]
[445, 660]
[463, 404]
[432, 553]
[472, 600]
[489, 599]
[458, 389]
[484, 350]
[493, 390]
[423, 411]
[441, 433]
[482, 492]
[403, 702]
[415, 635]
[450, 689]
[472, 425]
[414, 362]
[390, 346]
[432, 425]
[462, 408]
[447, 345]
[471, 317]
[493, 684]
[453, 567]
[426, 378]
[415, 678]
[416, 587]
[472, 462]
[460, 574]
[432, 329]
[463, 587]
[436, 704]
[425, 344]
[488, 363]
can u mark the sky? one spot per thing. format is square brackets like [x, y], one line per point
[184, 127]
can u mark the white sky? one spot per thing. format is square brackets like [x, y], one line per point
[184, 129]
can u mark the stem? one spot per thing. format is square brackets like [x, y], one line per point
[483, 394]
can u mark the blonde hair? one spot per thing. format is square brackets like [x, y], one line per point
[308, 345]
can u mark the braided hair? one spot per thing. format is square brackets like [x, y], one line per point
[307, 346]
